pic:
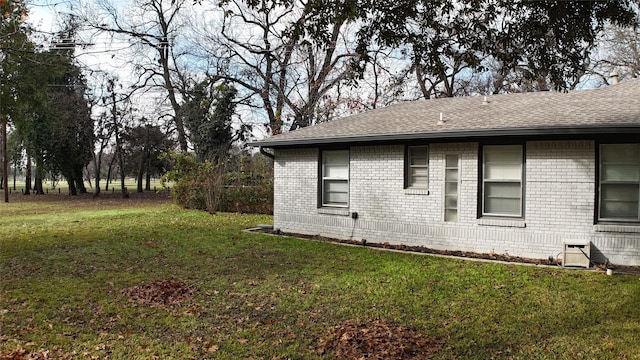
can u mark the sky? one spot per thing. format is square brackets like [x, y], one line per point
[111, 56]
[105, 54]
[102, 52]
[102, 57]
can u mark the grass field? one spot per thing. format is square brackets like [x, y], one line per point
[75, 274]
[63, 188]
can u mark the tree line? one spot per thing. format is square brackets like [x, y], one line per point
[297, 63]
[212, 74]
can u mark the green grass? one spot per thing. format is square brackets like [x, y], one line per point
[64, 267]
[62, 186]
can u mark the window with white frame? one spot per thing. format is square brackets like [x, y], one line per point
[619, 191]
[417, 168]
[502, 180]
[451, 176]
[335, 178]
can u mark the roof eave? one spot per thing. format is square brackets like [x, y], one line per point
[452, 135]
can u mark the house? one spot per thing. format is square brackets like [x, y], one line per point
[535, 175]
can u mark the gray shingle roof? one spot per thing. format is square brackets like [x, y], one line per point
[581, 111]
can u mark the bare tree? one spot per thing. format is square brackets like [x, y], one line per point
[153, 27]
[260, 49]
[103, 133]
[383, 81]
[117, 101]
[618, 51]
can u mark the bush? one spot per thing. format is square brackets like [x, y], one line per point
[256, 199]
[189, 195]
[205, 186]
[197, 185]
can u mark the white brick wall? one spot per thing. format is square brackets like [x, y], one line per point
[559, 202]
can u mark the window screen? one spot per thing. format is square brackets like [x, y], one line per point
[619, 182]
[418, 167]
[502, 180]
[335, 178]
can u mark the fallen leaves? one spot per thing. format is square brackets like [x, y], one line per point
[161, 293]
[379, 340]
[22, 354]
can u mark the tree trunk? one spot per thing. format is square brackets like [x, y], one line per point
[5, 161]
[82, 189]
[123, 188]
[144, 160]
[148, 184]
[72, 186]
[119, 151]
[27, 178]
[88, 177]
[164, 53]
[108, 179]
[16, 167]
[37, 186]
[140, 174]
[97, 160]
[79, 180]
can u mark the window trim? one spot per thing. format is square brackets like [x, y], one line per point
[598, 188]
[322, 179]
[407, 167]
[482, 181]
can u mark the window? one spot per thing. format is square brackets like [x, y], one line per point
[417, 166]
[502, 180]
[619, 182]
[335, 178]
[451, 188]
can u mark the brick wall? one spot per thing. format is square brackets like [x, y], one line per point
[559, 202]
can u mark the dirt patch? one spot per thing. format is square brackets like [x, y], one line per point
[161, 293]
[379, 340]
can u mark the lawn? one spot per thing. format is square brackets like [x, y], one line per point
[75, 276]
[63, 188]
